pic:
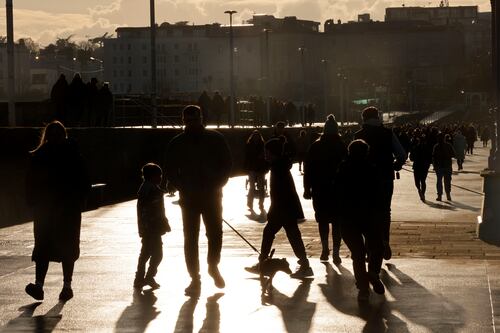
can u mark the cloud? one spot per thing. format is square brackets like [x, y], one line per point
[44, 21]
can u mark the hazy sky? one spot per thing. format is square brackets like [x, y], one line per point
[44, 20]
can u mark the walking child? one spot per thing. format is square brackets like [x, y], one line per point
[152, 224]
[284, 211]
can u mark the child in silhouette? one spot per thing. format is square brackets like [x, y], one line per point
[152, 224]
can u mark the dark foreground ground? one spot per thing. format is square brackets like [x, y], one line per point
[442, 279]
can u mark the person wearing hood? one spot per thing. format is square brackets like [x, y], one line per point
[388, 156]
[320, 166]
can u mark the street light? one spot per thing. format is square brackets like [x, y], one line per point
[489, 221]
[325, 87]
[154, 120]
[266, 82]
[302, 62]
[231, 66]
[10, 63]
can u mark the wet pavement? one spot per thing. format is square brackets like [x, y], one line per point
[441, 279]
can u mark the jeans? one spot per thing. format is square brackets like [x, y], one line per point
[361, 240]
[210, 208]
[443, 174]
[152, 250]
[386, 191]
[292, 233]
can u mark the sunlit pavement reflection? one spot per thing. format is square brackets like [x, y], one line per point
[451, 294]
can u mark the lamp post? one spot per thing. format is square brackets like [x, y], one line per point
[489, 221]
[266, 82]
[10, 64]
[231, 66]
[303, 65]
[154, 118]
[325, 86]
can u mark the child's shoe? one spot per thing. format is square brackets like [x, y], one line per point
[150, 281]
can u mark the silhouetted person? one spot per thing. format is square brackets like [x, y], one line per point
[471, 136]
[105, 106]
[285, 210]
[77, 94]
[442, 155]
[205, 103]
[291, 113]
[152, 224]
[59, 96]
[485, 135]
[198, 165]
[302, 148]
[217, 107]
[256, 166]
[320, 166]
[310, 114]
[358, 197]
[459, 145]
[387, 154]
[56, 187]
[421, 156]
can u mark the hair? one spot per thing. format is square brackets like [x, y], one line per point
[255, 133]
[280, 124]
[52, 132]
[370, 112]
[150, 170]
[358, 149]
[302, 133]
[191, 111]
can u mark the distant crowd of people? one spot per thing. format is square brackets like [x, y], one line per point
[348, 176]
[80, 104]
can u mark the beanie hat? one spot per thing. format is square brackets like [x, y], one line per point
[331, 126]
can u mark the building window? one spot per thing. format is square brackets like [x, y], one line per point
[114, 47]
[176, 46]
[114, 60]
[121, 73]
[114, 73]
[121, 60]
[129, 88]
[1, 75]
[130, 60]
[121, 46]
[144, 46]
[176, 58]
[176, 72]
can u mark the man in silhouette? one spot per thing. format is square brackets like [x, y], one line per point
[198, 164]
[387, 155]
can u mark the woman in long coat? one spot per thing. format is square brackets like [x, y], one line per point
[56, 187]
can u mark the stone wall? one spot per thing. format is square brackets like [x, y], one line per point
[113, 155]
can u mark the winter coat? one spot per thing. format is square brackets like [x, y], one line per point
[442, 155]
[57, 184]
[285, 203]
[459, 145]
[151, 219]
[320, 168]
[357, 192]
[198, 163]
[421, 155]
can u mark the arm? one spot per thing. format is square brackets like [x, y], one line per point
[398, 152]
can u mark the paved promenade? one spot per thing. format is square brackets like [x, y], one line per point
[441, 279]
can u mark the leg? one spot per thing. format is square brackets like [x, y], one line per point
[156, 256]
[439, 183]
[68, 268]
[324, 231]
[416, 179]
[143, 259]
[212, 218]
[336, 237]
[447, 184]
[295, 238]
[191, 226]
[262, 190]
[251, 189]
[270, 230]
[354, 241]
[41, 269]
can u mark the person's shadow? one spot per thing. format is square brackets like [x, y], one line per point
[140, 313]
[211, 323]
[296, 311]
[340, 291]
[415, 302]
[26, 322]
